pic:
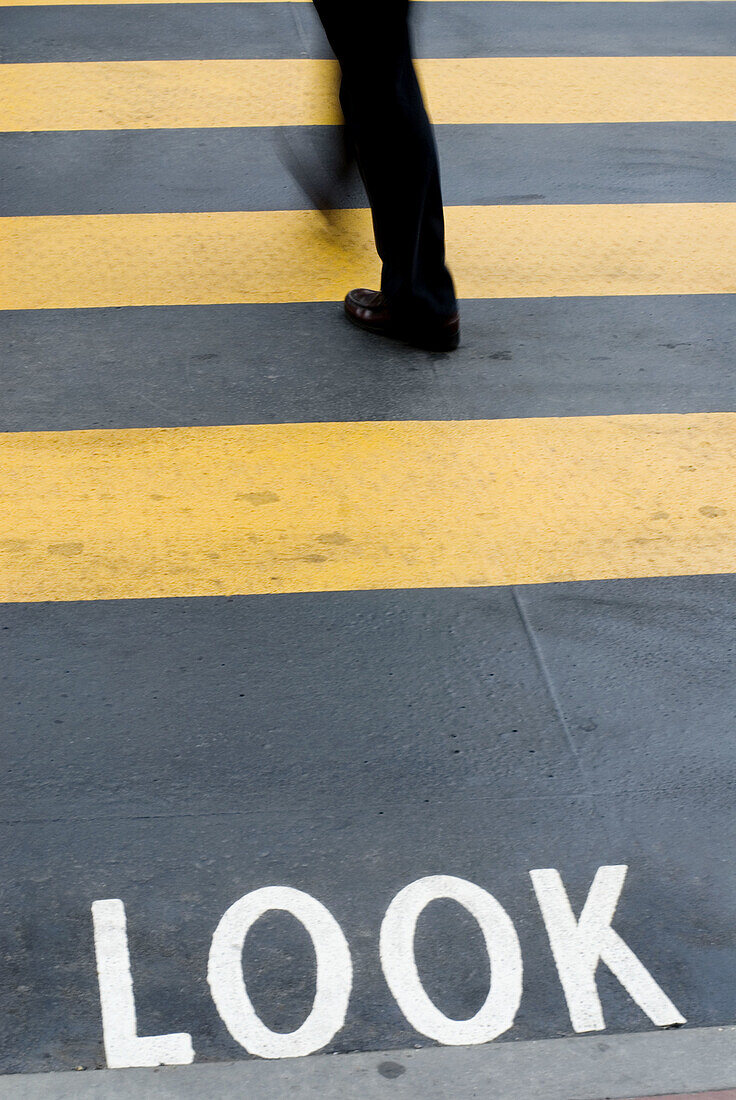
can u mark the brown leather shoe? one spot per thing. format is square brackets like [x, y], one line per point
[369, 309]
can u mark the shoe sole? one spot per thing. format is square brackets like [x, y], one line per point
[444, 344]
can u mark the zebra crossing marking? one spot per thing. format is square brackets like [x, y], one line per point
[119, 514]
[512, 251]
[115, 95]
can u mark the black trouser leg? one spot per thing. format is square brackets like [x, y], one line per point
[394, 146]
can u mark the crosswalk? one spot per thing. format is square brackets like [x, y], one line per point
[192, 511]
[254, 463]
[248, 257]
[130, 95]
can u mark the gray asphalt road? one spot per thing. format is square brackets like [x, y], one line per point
[177, 754]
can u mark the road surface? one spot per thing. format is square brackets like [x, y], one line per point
[419, 666]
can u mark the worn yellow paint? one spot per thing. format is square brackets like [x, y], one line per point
[291, 255]
[580, 89]
[119, 95]
[111, 95]
[319, 507]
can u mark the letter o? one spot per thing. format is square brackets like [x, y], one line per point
[400, 969]
[227, 984]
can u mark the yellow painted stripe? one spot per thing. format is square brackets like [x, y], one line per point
[113, 95]
[289, 256]
[320, 507]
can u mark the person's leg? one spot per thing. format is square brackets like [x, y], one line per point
[396, 154]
